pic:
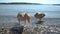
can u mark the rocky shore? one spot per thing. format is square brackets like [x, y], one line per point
[37, 29]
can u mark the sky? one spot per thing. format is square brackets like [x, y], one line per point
[34, 1]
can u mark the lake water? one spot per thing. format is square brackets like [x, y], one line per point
[52, 13]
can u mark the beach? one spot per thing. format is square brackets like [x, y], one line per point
[49, 23]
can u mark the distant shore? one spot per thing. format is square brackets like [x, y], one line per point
[21, 3]
[30, 3]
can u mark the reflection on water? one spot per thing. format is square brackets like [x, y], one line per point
[7, 21]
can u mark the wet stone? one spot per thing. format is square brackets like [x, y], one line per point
[17, 30]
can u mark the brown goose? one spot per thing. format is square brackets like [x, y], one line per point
[39, 15]
[23, 17]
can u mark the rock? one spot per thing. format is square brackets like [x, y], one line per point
[17, 30]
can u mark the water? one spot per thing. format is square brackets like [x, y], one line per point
[50, 10]
[10, 21]
[52, 13]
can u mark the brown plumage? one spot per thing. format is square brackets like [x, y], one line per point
[39, 15]
[23, 17]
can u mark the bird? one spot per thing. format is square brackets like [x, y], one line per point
[23, 16]
[39, 15]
